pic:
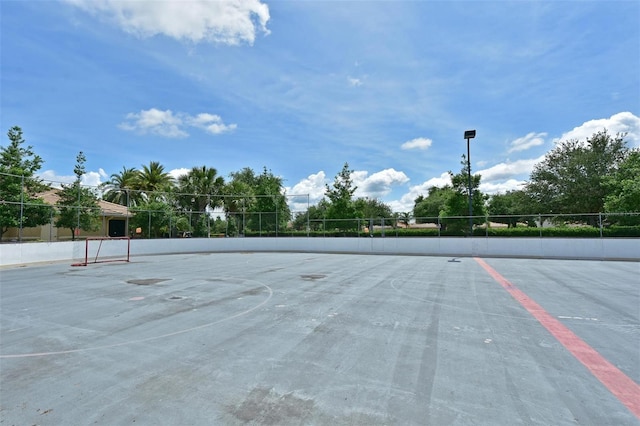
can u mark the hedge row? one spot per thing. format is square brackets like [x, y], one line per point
[557, 232]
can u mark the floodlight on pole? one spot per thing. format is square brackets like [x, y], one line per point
[468, 135]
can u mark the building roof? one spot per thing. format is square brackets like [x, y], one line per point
[108, 209]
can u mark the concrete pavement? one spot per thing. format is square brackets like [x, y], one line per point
[313, 339]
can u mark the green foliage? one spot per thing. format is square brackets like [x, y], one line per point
[449, 205]
[121, 188]
[454, 205]
[373, 210]
[312, 217]
[411, 232]
[341, 204]
[573, 176]
[219, 227]
[199, 190]
[154, 182]
[404, 218]
[237, 200]
[259, 200]
[518, 232]
[565, 232]
[78, 207]
[510, 208]
[18, 184]
[427, 209]
[156, 219]
[624, 186]
[271, 204]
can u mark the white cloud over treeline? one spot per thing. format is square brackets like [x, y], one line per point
[623, 122]
[377, 185]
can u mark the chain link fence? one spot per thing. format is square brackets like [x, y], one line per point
[236, 216]
[176, 223]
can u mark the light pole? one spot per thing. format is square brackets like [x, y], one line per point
[468, 135]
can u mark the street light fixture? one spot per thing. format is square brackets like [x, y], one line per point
[468, 135]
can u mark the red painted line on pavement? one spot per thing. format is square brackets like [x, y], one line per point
[626, 390]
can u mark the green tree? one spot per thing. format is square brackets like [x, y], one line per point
[271, 211]
[373, 209]
[263, 200]
[200, 190]
[78, 206]
[455, 216]
[341, 205]
[572, 177]
[428, 209]
[236, 202]
[624, 187]
[20, 206]
[405, 218]
[510, 208]
[121, 188]
[154, 182]
[314, 217]
[156, 218]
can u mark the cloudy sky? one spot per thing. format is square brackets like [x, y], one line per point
[301, 87]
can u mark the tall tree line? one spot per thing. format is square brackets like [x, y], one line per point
[599, 175]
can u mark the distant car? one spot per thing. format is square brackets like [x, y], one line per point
[185, 234]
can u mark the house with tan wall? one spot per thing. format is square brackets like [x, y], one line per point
[114, 220]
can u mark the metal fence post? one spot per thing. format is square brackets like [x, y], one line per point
[308, 216]
[540, 224]
[486, 226]
[600, 223]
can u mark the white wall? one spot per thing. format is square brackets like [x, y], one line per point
[561, 248]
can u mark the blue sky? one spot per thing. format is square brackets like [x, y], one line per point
[301, 87]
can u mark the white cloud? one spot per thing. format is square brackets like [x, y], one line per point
[92, 179]
[623, 122]
[51, 177]
[170, 125]
[162, 123]
[378, 184]
[229, 22]
[528, 141]
[405, 204]
[354, 82]
[309, 190]
[418, 143]
[502, 187]
[508, 170]
[210, 123]
[176, 173]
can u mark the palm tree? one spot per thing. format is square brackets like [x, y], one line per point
[120, 188]
[200, 188]
[405, 218]
[236, 202]
[154, 181]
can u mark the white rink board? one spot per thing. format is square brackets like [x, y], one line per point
[553, 248]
